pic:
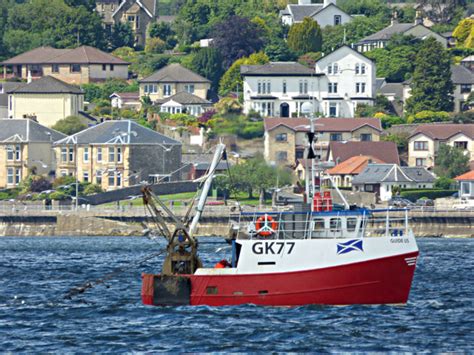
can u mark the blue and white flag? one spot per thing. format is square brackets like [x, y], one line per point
[351, 245]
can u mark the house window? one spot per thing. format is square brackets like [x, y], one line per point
[10, 172]
[10, 152]
[131, 18]
[369, 188]
[335, 68]
[17, 153]
[86, 155]
[71, 154]
[111, 154]
[465, 88]
[55, 68]
[137, 22]
[281, 156]
[104, 67]
[465, 188]
[189, 88]
[360, 88]
[85, 177]
[357, 68]
[259, 87]
[111, 179]
[332, 109]
[111, 67]
[63, 172]
[460, 145]
[98, 177]
[330, 69]
[420, 162]
[366, 137]
[166, 89]
[304, 87]
[119, 154]
[300, 154]
[420, 145]
[284, 87]
[64, 154]
[17, 176]
[99, 154]
[332, 88]
[337, 20]
[269, 87]
[335, 137]
[281, 137]
[75, 68]
[362, 69]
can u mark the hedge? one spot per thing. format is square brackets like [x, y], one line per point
[433, 194]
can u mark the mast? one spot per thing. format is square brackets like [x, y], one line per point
[205, 189]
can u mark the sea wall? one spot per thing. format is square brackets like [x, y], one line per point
[445, 224]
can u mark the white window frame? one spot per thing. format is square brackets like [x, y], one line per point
[167, 90]
[10, 176]
[111, 155]
[85, 176]
[189, 88]
[98, 177]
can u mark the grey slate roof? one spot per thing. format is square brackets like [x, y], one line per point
[185, 98]
[174, 73]
[395, 89]
[118, 132]
[203, 161]
[5, 88]
[378, 173]
[388, 32]
[26, 130]
[47, 85]
[301, 11]
[461, 75]
[277, 68]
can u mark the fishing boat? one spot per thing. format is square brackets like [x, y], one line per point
[309, 253]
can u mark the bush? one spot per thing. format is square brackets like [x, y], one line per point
[155, 45]
[433, 194]
[69, 125]
[92, 189]
[57, 195]
[429, 116]
[444, 183]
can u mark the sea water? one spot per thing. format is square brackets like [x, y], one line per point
[35, 273]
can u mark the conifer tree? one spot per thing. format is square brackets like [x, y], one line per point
[305, 37]
[431, 88]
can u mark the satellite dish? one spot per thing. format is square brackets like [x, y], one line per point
[307, 109]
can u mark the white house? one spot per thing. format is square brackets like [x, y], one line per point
[326, 13]
[339, 82]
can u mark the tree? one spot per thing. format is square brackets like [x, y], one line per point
[429, 116]
[431, 88]
[121, 36]
[451, 162]
[278, 51]
[155, 45]
[232, 80]
[443, 11]
[305, 37]
[235, 38]
[208, 63]
[69, 125]
[464, 33]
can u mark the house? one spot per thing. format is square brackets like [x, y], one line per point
[187, 135]
[184, 102]
[25, 146]
[126, 100]
[171, 80]
[382, 178]
[461, 76]
[46, 100]
[139, 14]
[468, 62]
[425, 141]
[339, 82]
[382, 37]
[285, 139]
[343, 173]
[81, 65]
[199, 165]
[339, 152]
[5, 87]
[325, 14]
[466, 185]
[116, 154]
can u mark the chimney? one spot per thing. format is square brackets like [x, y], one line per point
[29, 78]
[418, 18]
[394, 20]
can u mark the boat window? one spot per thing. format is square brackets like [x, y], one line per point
[351, 224]
[211, 290]
[319, 225]
[335, 224]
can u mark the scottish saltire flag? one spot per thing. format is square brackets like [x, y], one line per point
[351, 245]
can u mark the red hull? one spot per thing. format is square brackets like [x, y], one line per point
[380, 281]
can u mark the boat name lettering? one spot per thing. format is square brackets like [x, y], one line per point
[260, 248]
[399, 240]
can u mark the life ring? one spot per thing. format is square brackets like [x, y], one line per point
[263, 228]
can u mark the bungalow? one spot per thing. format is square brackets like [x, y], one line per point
[343, 173]
[466, 185]
[325, 14]
[126, 100]
[184, 102]
[80, 65]
[382, 178]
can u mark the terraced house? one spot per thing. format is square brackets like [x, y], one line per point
[25, 147]
[116, 154]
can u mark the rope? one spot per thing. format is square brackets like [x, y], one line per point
[91, 284]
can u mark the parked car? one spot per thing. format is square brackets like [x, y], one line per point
[424, 202]
[400, 202]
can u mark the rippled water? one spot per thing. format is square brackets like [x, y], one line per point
[36, 272]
